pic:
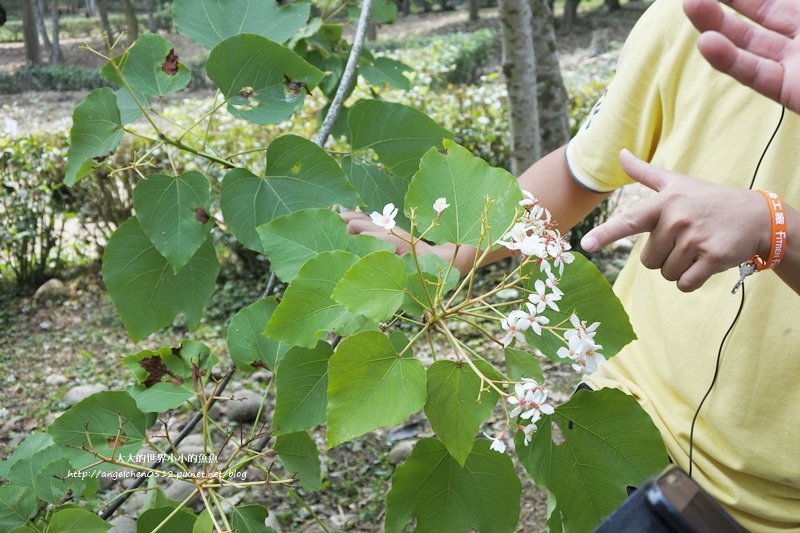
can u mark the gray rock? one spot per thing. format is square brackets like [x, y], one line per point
[192, 444]
[122, 524]
[272, 521]
[401, 451]
[52, 290]
[80, 392]
[262, 376]
[51, 417]
[243, 406]
[55, 380]
[178, 490]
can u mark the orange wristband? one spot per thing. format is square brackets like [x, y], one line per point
[777, 245]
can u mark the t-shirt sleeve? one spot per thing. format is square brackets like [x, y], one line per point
[629, 115]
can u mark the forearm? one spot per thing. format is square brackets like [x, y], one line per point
[550, 181]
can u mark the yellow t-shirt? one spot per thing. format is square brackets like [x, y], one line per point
[668, 106]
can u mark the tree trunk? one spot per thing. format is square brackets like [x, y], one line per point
[131, 22]
[151, 16]
[40, 11]
[406, 7]
[570, 13]
[519, 67]
[551, 93]
[372, 30]
[612, 5]
[56, 57]
[91, 8]
[102, 10]
[474, 5]
[31, 36]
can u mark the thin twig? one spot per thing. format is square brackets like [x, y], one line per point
[116, 504]
[348, 77]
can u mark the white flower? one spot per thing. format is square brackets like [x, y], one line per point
[484, 120]
[529, 399]
[529, 200]
[11, 378]
[4, 412]
[497, 443]
[385, 220]
[573, 349]
[582, 331]
[536, 320]
[552, 283]
[440, 205]
[533, 245]
[528, 432]
[542, 299]
[557, 249]
[514, 325]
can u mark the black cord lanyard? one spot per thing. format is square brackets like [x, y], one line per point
[738, 312]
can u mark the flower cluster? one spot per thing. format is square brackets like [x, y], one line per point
[535, 235]
[581, 348]
[529, 405]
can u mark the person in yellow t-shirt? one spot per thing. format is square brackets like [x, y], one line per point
[669, 107]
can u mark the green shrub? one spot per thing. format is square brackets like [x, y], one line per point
[51, 78]
[457, 58]
[31, 202]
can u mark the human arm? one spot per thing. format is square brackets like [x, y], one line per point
[548, 179]
[765, 56]
[697, 229]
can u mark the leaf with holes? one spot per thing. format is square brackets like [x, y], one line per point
[588, 294]
[609, 443]
[373, 287]
[370, 386]
[262, 81]
[248, 347]
[299, 175]
[250, 519]
[208, 22]
[456, 406]
[143, 287]
[307, 312]
[107, 422]
[301, 384]
[399, 134]
[300, 457]
[470, 186]
[150, 68]
[173, 213]
[445, 497]
[95, 134]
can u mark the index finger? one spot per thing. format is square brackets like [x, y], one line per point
[640, 219]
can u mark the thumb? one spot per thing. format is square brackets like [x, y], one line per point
[644, 173]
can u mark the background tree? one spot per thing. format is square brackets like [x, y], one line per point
[102, 10]
[473, 9]
[152, 26]
[31, 36]
[550, 91]
[56, 57]
[131, 22]
[42, 29]
[519, 67]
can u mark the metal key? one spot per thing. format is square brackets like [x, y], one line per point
[745, 269]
